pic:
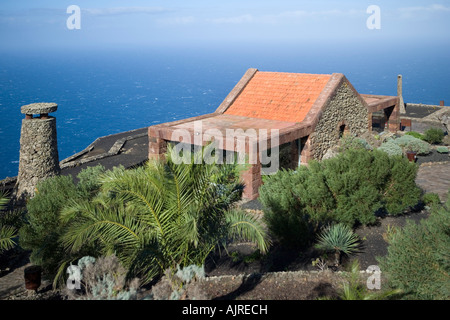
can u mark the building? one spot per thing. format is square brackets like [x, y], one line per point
[299, 115]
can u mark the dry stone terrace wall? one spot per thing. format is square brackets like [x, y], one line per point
[345, 108]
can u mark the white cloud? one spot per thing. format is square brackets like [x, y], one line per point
[234, 20]
[177, 20]
[286, 16]
[123, 10]
[413, 12]
[431, 8]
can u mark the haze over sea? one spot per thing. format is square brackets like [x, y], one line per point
[105, 91]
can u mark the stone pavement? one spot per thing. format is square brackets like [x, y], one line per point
[435, 177]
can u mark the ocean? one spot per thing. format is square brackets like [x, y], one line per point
[106, 91]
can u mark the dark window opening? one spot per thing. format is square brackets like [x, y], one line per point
[342, 130]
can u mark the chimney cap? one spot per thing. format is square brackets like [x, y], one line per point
[39, 108]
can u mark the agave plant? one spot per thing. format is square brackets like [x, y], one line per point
[161, 215]
[339, 238]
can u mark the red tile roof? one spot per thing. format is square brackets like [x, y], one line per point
[279, 96]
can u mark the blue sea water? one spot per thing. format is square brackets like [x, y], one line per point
[105, 91]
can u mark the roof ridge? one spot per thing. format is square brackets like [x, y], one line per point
[297, 73]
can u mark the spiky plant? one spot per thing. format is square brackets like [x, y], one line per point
[339, 238]
[162, 215]
[353, 289]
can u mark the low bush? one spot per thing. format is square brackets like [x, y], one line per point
[431, 199]
[349, 141]
[180, 285]
[418, 262]
[292, 203]
[101, 279]
[415, 134]
[433, 135]
[43, 227]
[409, 143]
[391, 148]
[346, 189]
[442, 149]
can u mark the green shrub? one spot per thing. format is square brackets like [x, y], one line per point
[391, 148]
[400, 192]
[434, 135]
[431, 199]
[418, 261]
[290, 209]
[346, 189]
[409, 143]
[349, 141]
[43, 227]
[415, 134]
[442, 149]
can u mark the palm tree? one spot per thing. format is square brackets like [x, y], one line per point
[339, 238]
[162, 215]
[7, 231]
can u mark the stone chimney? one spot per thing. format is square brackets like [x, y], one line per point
[38, 148]
[400, 93]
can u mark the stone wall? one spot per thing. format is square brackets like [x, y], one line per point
[38, 153]
[344, 108]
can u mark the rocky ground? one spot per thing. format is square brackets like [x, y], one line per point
[289, 274]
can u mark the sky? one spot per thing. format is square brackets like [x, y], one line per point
[26, 24]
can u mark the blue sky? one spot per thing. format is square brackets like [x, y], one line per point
[42, 24]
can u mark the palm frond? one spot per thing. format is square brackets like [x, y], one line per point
[141, 190]
[247, 226]
[58, 281]
[3, 200]
[109, 225]
[7, 234]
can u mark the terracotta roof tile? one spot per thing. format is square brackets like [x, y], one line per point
[279, 96]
